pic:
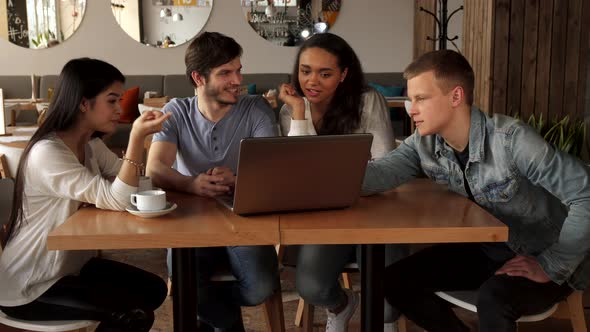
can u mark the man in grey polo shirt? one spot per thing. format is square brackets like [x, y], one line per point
[203, 136]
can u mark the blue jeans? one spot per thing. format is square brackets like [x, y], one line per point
[255, 269]
[320, 266]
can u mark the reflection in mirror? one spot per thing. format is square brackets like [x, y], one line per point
[290, 22]
[40, 23]
[162, 23]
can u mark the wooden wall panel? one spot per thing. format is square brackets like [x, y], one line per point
[543, 59]
[584, 49]
[486, 92]
[572, 63]
[529, 59]
[424, 26]
[501, 22]
[515, 57]
[477, 37]
[558, 42]
[539, 52]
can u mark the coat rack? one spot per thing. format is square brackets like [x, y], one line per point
[442, 24]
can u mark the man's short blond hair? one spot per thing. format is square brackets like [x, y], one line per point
[450, 69]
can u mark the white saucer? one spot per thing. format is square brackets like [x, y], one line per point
[152, 214]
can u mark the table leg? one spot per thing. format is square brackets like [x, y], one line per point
[184, 289]
[372, 268]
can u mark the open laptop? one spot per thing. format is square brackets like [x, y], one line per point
[299, 173]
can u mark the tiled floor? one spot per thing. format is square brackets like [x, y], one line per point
[154, 260]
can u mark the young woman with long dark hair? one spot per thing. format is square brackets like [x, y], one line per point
[65, 165]
[329, 96]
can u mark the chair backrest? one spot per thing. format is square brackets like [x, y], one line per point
[2, 114]
[9, 160]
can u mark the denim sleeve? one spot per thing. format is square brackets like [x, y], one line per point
[567, 178]
[395, 168]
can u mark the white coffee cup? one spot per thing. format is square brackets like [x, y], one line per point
[145, 183]
[149, 200]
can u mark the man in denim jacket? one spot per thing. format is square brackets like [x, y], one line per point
[504, 166]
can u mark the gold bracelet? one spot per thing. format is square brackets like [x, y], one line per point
[139, 167]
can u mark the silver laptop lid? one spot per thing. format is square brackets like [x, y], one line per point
[300, 172]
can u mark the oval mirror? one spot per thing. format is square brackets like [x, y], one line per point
[162, 23]
[39, 24]
[290, 22]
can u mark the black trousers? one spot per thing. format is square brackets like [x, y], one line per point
[410, 285]
[120, 296]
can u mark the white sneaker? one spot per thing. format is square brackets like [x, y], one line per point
[390, 327]
[339, 322]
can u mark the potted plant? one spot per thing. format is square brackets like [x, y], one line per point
[565, 134]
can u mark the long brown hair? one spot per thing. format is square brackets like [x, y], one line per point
[344, 112]
[80, 79]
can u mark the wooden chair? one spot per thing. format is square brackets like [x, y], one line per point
[4, 170]
[47, 326]
[272, 307]
[571, 308]
[6, 190]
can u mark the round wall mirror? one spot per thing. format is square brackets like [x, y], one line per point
[290, 22]
[40, 23]
[162, 23]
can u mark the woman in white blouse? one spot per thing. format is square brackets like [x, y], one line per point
[329, 96]
[64, 166]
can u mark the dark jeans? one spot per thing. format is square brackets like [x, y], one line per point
[320, 266]
[410, 285]
[256, 271]
[120, 296]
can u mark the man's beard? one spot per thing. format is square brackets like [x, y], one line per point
[215, 94]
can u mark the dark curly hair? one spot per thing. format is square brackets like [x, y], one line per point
[344, 112]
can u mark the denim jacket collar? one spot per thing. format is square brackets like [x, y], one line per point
[476, 139]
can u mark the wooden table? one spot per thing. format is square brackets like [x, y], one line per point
[197, 222]
[419, 212]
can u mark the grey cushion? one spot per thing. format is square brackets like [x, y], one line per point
[16, 86]
[47, 81]
[265, 82]
[145, 83]
[178, 86]
[386, 78]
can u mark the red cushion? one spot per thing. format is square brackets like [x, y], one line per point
[129, 110]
